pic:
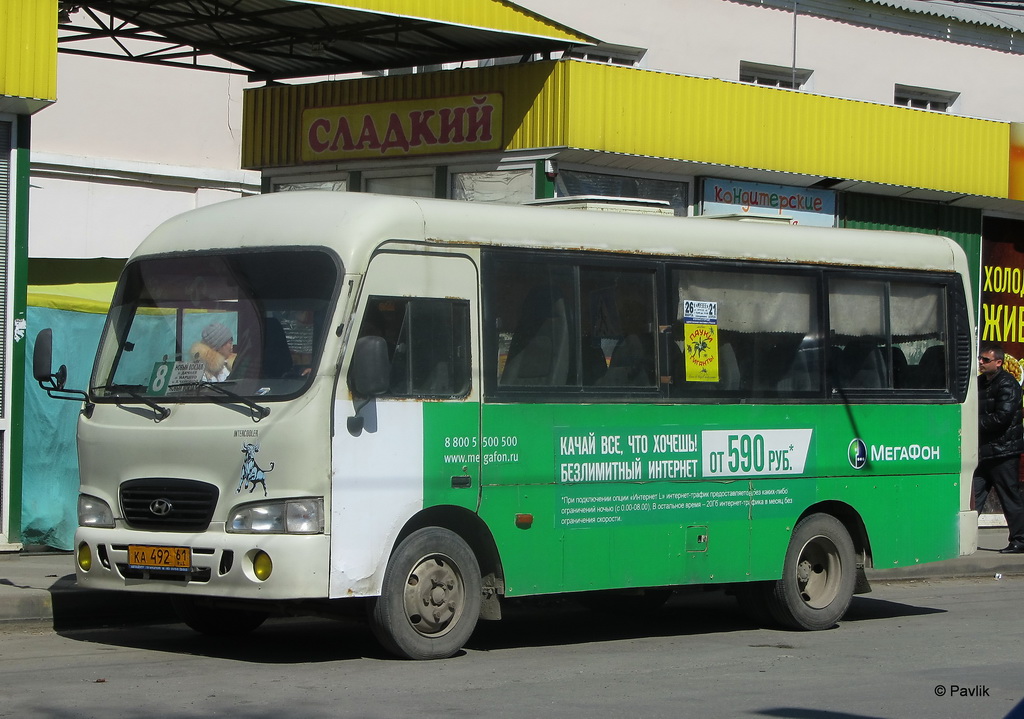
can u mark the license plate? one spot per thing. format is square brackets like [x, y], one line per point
[170, 559]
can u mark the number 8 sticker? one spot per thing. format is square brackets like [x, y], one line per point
[158, 382]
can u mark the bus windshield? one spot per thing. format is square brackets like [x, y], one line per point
[252, 322]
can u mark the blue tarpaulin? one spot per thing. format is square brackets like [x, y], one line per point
[50, 466]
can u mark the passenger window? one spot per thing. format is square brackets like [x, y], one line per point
[573, 327]
[918, 336]
[533, 311]
[744, 334]
[887, 335]
[619, 328]
[859, 346]
[428, 344]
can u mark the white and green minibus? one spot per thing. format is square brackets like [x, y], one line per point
[308, 401]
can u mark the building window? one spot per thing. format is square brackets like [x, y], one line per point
[505, 187]
[923, 98]
[409, 185]
[574, 183]
[792, 78]
[338, 185]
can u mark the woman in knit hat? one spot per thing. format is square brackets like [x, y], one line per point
[216, 351]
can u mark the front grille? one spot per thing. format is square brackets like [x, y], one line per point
[172, 505]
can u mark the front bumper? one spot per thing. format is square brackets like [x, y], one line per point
[222, 564]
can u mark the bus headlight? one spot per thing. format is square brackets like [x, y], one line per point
[292, 516]
[94, 512]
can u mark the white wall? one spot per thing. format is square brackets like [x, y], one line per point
[709, 38]
[132, 111]
[127, 146]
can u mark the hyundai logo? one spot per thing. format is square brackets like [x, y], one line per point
[160, 507]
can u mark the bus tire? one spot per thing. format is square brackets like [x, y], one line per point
[216, 621]
[430, 599]
[818, 576]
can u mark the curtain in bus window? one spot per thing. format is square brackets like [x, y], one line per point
[919, 340]
[765, 337]
[859, 339]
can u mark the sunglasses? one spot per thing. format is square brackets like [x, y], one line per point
[986, 360]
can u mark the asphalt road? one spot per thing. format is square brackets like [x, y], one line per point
[926, 648]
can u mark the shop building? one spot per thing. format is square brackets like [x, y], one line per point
[895, 114]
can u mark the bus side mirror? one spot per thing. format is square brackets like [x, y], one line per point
[53, 382]
[369, 375]
[42, 362]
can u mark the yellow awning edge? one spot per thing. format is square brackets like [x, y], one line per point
[497, 15]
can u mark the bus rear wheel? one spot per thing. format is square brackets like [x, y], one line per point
[818, 576]
[430, 599]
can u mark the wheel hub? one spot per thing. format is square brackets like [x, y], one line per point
[434, 596]
[818, 572]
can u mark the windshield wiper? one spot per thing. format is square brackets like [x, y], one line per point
[258, 411]
[132, 391]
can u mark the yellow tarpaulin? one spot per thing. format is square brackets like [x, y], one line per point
[91, 297]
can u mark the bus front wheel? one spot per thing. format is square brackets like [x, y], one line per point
[818, 576]
[431, 595]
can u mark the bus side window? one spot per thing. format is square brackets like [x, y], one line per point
[919, 335]
[888, 335]
[619, 321]
[428, 344]
[532, 312]
[859, 334]
[761, 341]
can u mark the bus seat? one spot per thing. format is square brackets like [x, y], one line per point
[798, 377]
[931, 370]
[539, 351]
[900, 369]
[277, 358]
[592, 362]
[861, 365]
[631, 364]
[728, 368]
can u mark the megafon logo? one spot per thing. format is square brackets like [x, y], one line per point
[857, 454]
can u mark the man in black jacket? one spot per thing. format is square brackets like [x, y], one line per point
[1001, 441]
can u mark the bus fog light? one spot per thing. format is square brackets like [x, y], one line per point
[84, 557]
[94, 512]
[262, 565]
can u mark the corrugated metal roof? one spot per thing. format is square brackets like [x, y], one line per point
[274, 39]
[974, 13]
[28, 63]
[636, 114]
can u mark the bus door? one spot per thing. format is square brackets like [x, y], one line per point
[417, 444]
